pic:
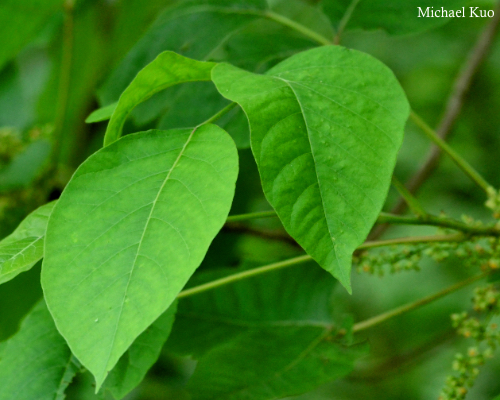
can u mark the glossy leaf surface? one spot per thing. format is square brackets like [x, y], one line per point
[24, 247]
[326, 126]
[394, 16]
[166, 70]
[135, 363]
[36, 363]
[130, 228]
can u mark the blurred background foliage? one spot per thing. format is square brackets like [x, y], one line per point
[75, 57]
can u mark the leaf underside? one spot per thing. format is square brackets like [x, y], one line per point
[130, 228]
[326, 126]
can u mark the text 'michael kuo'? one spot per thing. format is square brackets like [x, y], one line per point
[473, 12]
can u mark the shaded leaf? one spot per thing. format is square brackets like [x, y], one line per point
[293, 296]
[139, 358]
[166, 70]
[326, 126]
[194, 29]
[36, 363]
[273, 363]
[21, 21]
[264, 337]
[130, 228]
[24, 247]
[394, 16]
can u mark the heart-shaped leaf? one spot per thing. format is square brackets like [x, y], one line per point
[326, 126]
[129, 230]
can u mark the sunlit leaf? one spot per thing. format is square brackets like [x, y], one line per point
[24, 247]
[166, 70]
[36, 363]
[326, 126]
[130, 228]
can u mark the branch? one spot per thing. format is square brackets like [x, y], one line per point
[371, 322]
[454, 105]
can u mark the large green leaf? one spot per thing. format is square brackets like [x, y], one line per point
[21, 21]
[130, 228]
[263, 338]
[36, 363]
[135, 363]
[394, 16]
[166, 70]
[326, 126]
[24, 247]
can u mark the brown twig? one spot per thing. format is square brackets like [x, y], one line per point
[452, 111]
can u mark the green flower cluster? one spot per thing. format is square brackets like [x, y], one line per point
[493, 202]
[472, 253]
[486, 304]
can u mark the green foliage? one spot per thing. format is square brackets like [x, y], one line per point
[166, 70]
[141, 355]
[153, 290]
[402, 18]
[124, 211]
[41, 370]
[24, 247]
[321, 181]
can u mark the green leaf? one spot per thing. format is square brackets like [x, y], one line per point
[21, 21]
[135, 363]
[130, 228]
[101, 114]
[265, 337]
[297, 295]
[273, 363]
[166, 70]
[203, 30]
[194, 29]
[24, 247]
[36, 363]
[326, 126]
[394, 16]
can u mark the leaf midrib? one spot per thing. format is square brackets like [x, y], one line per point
[141, 240]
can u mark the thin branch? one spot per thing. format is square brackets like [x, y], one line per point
[345, 20]
[410, 200]
[255, 215]
[243, 275]
[457, 158]
[281, 19]
[265, 234]
[219, 114]
[454, 105]
[371, 322]
[301, 259]
[64, 79]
